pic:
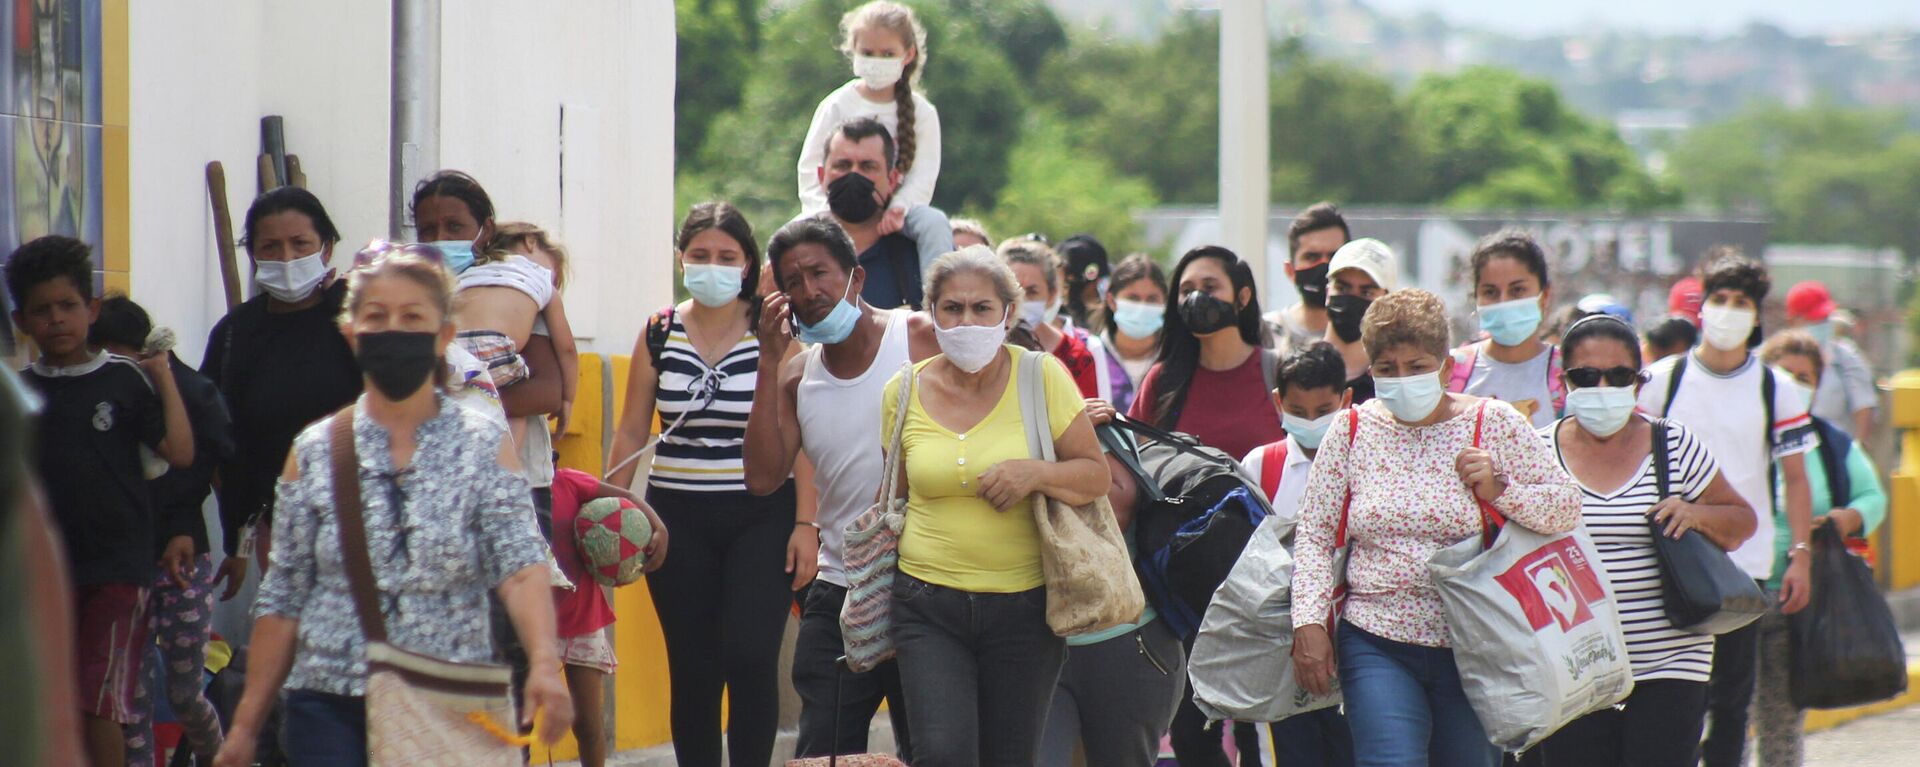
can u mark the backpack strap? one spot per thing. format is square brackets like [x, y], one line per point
[1673, 388]
[1464, 357]
[1767, 386]
[1270, 368]
[658, 326]
[1556, 384]
[1273, 462]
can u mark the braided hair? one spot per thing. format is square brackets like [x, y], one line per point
[898, 19]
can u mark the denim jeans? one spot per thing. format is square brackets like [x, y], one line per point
[978, 669]
[1405, 705]
[321, 729]
[1115, 699]
[1313, 738]
[821, 686]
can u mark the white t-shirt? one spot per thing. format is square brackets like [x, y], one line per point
[1727, 414]
[838, 418]
[844, 104]
[1616, 521]
[1293, 478]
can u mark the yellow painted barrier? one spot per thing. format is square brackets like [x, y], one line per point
[1903, 484]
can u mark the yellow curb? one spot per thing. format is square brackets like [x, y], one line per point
[1826, 719]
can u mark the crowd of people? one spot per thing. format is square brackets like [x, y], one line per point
[874, 335]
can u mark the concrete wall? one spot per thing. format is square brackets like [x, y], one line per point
[203, 72]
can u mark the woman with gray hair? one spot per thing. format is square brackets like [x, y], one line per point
[969, 600]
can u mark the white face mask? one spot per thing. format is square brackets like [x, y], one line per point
[1602, 410]
[1038, 313]
[1726, 328]
[291, 281]
[971, 347]
[1410, 398]
[878, 73]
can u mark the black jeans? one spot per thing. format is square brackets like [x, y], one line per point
[1659, 726]
[322, 729]
[820, 684]
[1196, 743]
[979, 670]
[1116, 698]
[1313, 738]
[722, 600]
[1736, 664]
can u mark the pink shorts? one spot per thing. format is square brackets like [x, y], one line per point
[112, 640]
[590, 650]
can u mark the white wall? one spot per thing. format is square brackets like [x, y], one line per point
[203, 73]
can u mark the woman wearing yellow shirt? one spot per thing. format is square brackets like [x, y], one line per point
[977, 661]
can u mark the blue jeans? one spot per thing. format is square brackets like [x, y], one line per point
[321, 729]
[978, 670]
[1405, 705]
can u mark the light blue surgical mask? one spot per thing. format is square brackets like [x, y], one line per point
[459, 253]
[1307, 431]
[1410, 398]
[833, 328]
[1602, 410]
[1821, 331]
[713, 285]
[1511, 322]
[1138, 319]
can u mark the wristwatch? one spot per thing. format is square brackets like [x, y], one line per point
[1798, 548]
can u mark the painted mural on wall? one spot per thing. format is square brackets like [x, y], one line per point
[51, 119]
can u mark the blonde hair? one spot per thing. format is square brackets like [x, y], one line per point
[898, 19]
[1021, 250]
[524, 236]
[1410, 316]
[1795, 342]
[973, 227]
[405, 263]
[972, 259]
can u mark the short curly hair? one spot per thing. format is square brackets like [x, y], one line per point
[1407, 316]
[1728, 268]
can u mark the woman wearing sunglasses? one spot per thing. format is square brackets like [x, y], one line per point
[1608, 448]
[448, 520]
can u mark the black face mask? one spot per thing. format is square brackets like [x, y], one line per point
[1205, 314]
[1312, 282]
[398, 361]
[851, 199]
[1345, 313]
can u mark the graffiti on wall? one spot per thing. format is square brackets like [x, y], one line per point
[51, 118]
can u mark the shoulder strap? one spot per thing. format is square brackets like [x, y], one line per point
[1346, 505]
[1766, 404]
[1033, 405]
[1834, 447]
[1673, 386]
[890, 481]
[657, 330]
[1491, 520]
[1269, 368]
[1273, 463]
[1463, 367]
[353, 527]
[1662, 462]
[1556, 386]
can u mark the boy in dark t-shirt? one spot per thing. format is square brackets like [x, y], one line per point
[98, 412]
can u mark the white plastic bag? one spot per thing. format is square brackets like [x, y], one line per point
[1241, 667]
[1535, 631]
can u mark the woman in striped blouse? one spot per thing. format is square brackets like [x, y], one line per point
[1609, 450]
[722, 596]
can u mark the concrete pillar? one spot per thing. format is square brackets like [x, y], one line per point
[415, 144]
[1244, 166]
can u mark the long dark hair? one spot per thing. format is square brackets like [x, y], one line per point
[462, 187]
[1179, 349]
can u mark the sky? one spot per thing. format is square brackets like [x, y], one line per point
[1533, 17]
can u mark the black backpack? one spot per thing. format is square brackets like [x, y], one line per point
[1199, 510]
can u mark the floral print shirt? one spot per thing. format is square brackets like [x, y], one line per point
[441, 534]
[1408, 503]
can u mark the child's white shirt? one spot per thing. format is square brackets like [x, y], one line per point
[845, 103]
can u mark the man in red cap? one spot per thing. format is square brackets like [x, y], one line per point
[1846, 396]
[1684, 299]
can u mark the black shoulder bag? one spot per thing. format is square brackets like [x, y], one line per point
[1704, 591]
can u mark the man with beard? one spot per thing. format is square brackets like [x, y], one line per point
[824, 401]
[1360, 273]
[860, 178]
[1311, 240]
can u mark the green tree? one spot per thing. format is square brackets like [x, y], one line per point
[713, 38]
[1152, 109]
[1338, 133]
[1056, 190]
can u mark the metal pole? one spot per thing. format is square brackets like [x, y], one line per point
[414, 147]
[1244, 166]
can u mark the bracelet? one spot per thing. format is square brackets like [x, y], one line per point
[807, 522]
[1798, 548]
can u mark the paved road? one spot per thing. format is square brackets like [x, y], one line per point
[1888, 740]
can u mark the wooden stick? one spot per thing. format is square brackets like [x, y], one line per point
[223, 232]
[295, 175]
[269, 180]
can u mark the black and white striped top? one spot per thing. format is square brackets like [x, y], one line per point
[703, 453]
[1616, 520]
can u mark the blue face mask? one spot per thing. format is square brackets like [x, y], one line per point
[1138, 319]
[1307, 431]
[833, 328]
[1410, 398]
[1511, 323]
[713, 285]
[1822, 332]
[459, 253]
[1602, 410]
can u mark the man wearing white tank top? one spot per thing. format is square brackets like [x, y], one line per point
[826, 401]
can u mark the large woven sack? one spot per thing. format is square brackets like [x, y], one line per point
[1241, 667]
[872, 555]
[426, 712]
[1091, 585]
[611, 535]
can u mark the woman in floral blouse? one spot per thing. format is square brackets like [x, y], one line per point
[448, 519]
[1416, 479]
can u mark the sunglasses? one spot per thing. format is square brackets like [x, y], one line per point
[1622, 376]
[377, 250]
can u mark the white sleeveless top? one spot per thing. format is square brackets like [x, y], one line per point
[838, 418]
[514, 271]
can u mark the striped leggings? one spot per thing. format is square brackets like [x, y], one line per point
[181, 620]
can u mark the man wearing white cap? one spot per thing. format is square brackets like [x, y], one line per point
[1361, 271]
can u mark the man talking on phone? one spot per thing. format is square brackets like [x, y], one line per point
[826, 401]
